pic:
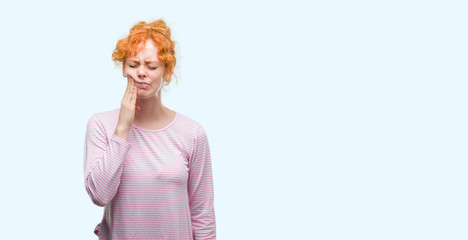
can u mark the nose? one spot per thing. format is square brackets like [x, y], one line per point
[141, 72]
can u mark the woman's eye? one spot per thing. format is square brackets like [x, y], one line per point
[153, 68]
[132, 66]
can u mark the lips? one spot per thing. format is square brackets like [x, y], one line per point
[143, 85]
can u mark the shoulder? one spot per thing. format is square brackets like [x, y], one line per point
[106, 115]
[194, 130]
[189, 123]
[104, 120]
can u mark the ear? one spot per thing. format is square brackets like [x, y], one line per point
[123, 69]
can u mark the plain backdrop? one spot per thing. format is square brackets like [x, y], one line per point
[326, 119]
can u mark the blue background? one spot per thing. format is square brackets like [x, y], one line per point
[326, 119]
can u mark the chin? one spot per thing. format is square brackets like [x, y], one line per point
[147, 94]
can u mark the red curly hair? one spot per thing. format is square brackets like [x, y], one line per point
[160, 33]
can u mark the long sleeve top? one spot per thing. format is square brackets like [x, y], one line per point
[157, 184]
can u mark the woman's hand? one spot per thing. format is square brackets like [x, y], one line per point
[127, 109]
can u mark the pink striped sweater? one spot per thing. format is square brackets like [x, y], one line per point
[157, 184]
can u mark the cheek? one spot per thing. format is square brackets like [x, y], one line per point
[133, 73]
[156, 76]
[130, 71]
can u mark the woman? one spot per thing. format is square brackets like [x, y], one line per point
[147, 165]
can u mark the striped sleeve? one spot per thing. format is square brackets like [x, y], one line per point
[103, 162]
[200, 189]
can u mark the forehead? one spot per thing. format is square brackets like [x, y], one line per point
[147, 53]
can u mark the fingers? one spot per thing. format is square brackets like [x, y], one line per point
[133, 96]
[136, 95]
[129, 90]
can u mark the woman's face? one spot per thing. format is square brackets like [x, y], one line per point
[145, 70]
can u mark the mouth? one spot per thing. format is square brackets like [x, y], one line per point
[143, 85]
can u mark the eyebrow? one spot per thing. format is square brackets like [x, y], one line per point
[145, 61]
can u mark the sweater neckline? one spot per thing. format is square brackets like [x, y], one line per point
[160, 129]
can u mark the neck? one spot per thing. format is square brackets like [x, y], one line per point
[151, 109]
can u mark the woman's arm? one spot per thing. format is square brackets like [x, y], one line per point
[200, 189]
[103, 162]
